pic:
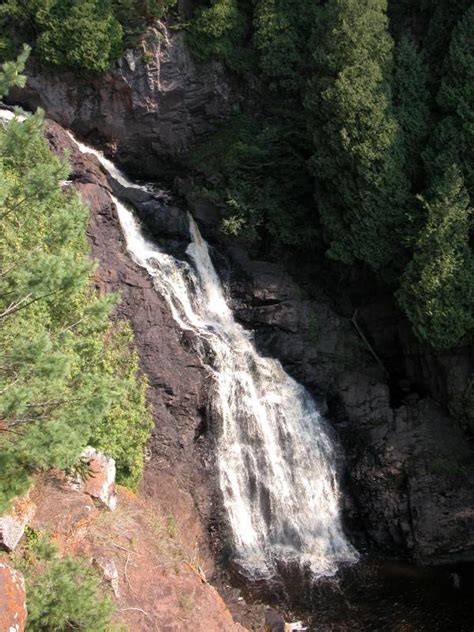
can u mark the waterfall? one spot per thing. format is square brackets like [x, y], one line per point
[276, 459]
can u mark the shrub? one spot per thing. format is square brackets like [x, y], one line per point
[437, 290]
[83, 36]
[125, 430]
[62, 593]
[219, 31]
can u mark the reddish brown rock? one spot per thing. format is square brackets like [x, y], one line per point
[62, 513]
[12, 599]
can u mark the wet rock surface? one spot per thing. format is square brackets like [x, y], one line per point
[180, 467]
[409, 463]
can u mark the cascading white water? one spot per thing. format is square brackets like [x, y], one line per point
[275, 457]
[276, 460]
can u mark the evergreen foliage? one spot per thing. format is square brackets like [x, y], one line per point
[85, 36]
[59, 383]
[358, 160]
[257, 171]
[443, 16]
[62, 593]
[387, 124]
[437, 290]
[282, 33]
[127, 426]
[11, 73]
[219, 30]
[135, 15]
[453, 141]
[411, 100]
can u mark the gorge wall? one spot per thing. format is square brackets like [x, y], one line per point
[403, 422]
[147, 111]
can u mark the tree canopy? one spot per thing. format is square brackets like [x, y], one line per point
[86, 37]
[370, 107]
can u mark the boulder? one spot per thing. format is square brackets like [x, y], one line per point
[13, 523]
[12, 599]
[100, 481]
[163, 220]
[274, 621]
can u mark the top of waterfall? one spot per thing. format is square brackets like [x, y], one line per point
[108, 165]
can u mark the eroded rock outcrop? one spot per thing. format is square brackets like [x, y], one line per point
[149, 109]
[109, 572]
[154, 583]
[99, 480]
[12, 599]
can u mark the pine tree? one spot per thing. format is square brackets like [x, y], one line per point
[57, 390]
[437, 287]
[411, 100]
[358, 160]
[83, 36]
[282, 32]
[11, 73]
[47, 405]
[453, 141]
[219, 31]
[444, 14]
[62, 593]
[437, 290]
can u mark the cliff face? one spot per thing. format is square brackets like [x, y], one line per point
[179, 463]
[409, 475]
[147, 110]
[409, 464]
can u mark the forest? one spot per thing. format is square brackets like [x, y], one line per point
[365, 146]
[362, 144]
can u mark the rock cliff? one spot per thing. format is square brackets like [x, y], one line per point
[148, 110]
[408, 462]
